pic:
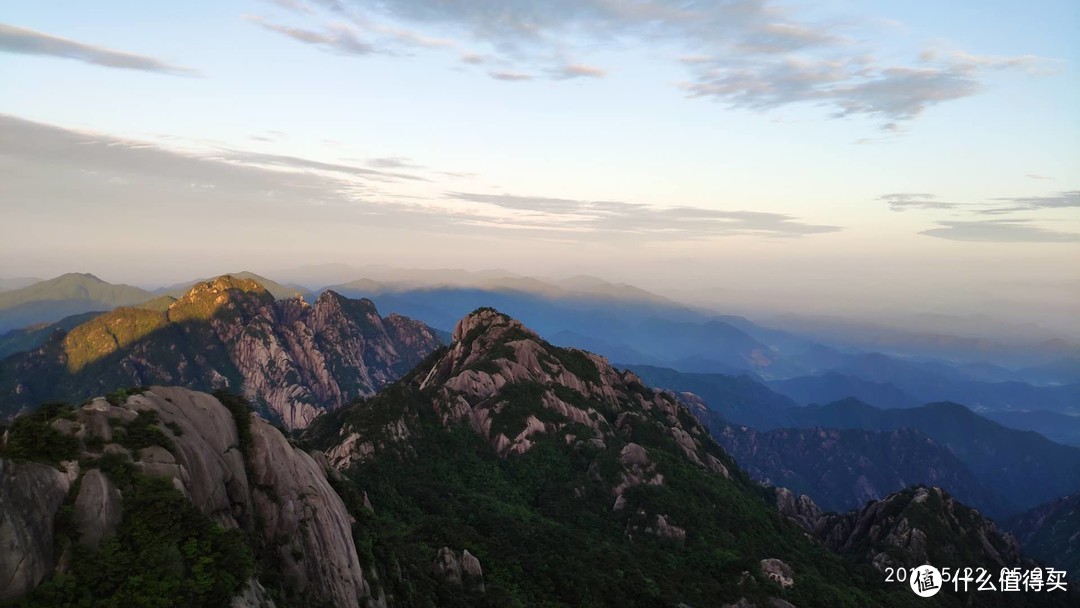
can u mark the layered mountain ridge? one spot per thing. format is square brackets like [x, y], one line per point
[499, 471]
[293, 358]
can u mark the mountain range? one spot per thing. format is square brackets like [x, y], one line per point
[500, 471]
[292, 358]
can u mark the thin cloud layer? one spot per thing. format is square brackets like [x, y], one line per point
[1000, 231]
[748, 55]
[1062, 200]
[677, 223]
[1005, 230]
[902, 201]
[64, 170]
[337, 37]
[29, 42]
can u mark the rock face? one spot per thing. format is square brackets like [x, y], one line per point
[261, 484]
[30, 495]
[909, 528]
[293, 358]
[778, 571]
[98, 508]
[462, 569]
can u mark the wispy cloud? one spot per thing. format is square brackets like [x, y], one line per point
[393, 162]
[750, 55]
[996, 206]
[1000, 231]
[577, 70]
[114, 175]
[337, 37]
[674, 222]
[1061, 200]
[1037, 176]
[902, 201]
[509, 76]
[29, 42]
[1004, 230]
[294, 162]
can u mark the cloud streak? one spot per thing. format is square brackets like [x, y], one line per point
[338, 37]
[30, 42]
[902, 201]
[68, 172]
[999, 231]
[648, 221]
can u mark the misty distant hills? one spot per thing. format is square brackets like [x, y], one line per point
[1030, 468]
[17, 283]
[63, 296]
[842, 469]
[971, 339]
[737, 399]
[889, 388]
[636, 327]
[832, 386]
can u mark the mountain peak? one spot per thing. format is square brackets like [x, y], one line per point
[483, 321]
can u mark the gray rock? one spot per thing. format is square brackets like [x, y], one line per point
[30, 495]
[98, 509]
[779, 571]
[252, 595]
[459, 569]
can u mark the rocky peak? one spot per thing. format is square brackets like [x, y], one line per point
[487, 323]
[294, 359]
[915, 526]
[516, 389]
[204, 300]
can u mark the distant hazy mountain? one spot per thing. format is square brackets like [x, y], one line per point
[738, 399]
[316, 275]
[1065, 370]
[971, 338]
[276, 289]
[842, 469]
[66, 295]
[1051, 533]
[891, 382]
[1055, 426]
[17, 283]
[28, 338]
[833, 386]
[1025, 467]
[292, 358]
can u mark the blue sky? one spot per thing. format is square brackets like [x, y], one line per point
[842, 155]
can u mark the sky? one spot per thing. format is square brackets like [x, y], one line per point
[834, 157]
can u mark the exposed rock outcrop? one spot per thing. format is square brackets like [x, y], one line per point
[462, 569]
[896, 531]
[30, 495]
[98, 508]
[779, 571]
[256, 481]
